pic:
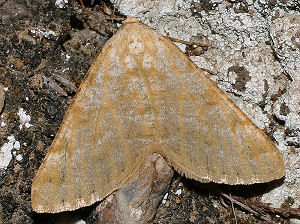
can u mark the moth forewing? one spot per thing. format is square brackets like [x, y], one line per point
[143, 95]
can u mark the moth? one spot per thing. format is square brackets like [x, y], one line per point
[142, 95]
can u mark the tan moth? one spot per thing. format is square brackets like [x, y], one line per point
[143, 95]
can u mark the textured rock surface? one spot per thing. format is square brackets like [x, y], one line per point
[255, 55]
[285, 33]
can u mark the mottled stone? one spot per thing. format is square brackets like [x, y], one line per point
[285, 33]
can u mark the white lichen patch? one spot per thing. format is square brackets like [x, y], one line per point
[24, 119]
[5, 152]
[165, 198]
[44, 33]
[80, 222]
[17, 145]
[61, 3]
[19, 157]
[178, 192]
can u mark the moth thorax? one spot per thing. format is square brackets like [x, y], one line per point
[136, 46]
